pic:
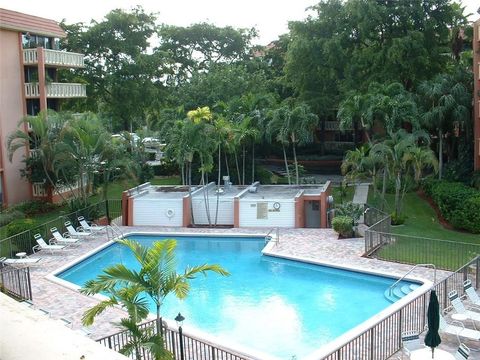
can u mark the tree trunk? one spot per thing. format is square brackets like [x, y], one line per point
[189, 171]
[243, 165]
[207, 207]
[227, 167]
[286, 164]
[182, 169]
[296, 163]
[253, 163]
[218, 182]
[398, 186]
[384, 188]
[440, 153]
[238, 168]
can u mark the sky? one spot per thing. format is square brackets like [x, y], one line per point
[270, 17]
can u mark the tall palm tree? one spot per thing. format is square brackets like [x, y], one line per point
[157, 277]
[297, 125]
[131, 299]
[446, 100]
[43, 139]
[421, 158]
[272, 131]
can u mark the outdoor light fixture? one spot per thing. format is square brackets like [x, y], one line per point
[179, 319]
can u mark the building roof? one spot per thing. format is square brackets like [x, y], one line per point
[16, 21]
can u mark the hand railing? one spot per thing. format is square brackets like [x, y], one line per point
[269, 237]
[390, 289]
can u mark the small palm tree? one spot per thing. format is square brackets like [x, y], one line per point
[421, 158]
[157, 277]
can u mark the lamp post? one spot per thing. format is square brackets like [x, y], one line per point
[179, 319]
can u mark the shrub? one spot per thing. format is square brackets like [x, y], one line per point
[397, 219]
[343, 225]
[167, 168]
[20, 225]
[35, 207]
[351, 210]
[458, 204]
[8, 216]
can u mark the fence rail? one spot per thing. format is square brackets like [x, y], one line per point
[24, 241]
[384, 339]
[15, 282]
[182, 346]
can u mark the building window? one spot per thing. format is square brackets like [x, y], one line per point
[33, 107]
[32, 41]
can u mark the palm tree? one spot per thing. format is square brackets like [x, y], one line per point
[421, 158]
[43, 141]
[157, 277]
[446, 100]
[133, 301]
[247, 133]
[297, 125]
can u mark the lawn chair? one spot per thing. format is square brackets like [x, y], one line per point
[59, 239]
[471, 293]
[458, 329]
[89, 227]
[410, 342]
[25, 261]
[72, 232]
[462, 353]
[460, 307]
[42, 245]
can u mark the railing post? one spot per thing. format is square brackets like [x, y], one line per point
[109, 340]
[107, 211]
[182, 351]
[213, 353]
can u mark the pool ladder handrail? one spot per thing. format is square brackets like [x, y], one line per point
[390, 289]
[269, 238]
[116, 231]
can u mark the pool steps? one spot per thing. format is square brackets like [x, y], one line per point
[399, 292]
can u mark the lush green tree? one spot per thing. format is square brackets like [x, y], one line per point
[196, 48]
[446, 102]
[157, 276]
[131, 299]
[297, 124]
[122, 75]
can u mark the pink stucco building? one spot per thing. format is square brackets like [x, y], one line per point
[29, 63]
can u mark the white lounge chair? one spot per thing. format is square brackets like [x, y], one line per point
[460, 308]
[411, 342]
[458, 329]
[462, 353]
[19, 262]
[71, 231]
[471, 293]
[42, 245]
[59, 239]
[89, 227]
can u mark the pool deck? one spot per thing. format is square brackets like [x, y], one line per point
[316, 245]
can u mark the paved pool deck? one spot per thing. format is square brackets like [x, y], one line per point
[317, 245]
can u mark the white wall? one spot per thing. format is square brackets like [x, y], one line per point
[225, 210]
[154, 212]
[285, 217]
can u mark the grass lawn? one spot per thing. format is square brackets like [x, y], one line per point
[340, 198]
[422, 222]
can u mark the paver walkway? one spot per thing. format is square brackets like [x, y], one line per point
[311, 244]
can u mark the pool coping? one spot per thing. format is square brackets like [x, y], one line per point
[268, 250]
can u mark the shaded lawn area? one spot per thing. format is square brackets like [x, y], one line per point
[422, 222]
[339, 197]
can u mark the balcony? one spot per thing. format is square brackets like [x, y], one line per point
[333, 126]
[54, 58]
[57, 90]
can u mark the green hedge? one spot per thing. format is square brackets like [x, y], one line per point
[458, 203]
[343, 225]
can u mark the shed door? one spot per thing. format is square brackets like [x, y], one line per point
[312, 213]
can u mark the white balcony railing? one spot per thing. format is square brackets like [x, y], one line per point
[57, 90]
[39, 190]
[54, 57]
[334, 126]
[66, 90]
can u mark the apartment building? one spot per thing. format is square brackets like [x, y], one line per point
[476, 93]
[29, 63]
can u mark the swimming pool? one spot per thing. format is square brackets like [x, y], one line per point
[276, 306]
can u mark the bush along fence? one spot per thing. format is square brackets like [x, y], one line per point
[105, 211]
[15, 282]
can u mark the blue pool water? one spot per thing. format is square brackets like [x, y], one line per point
[276, 306]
